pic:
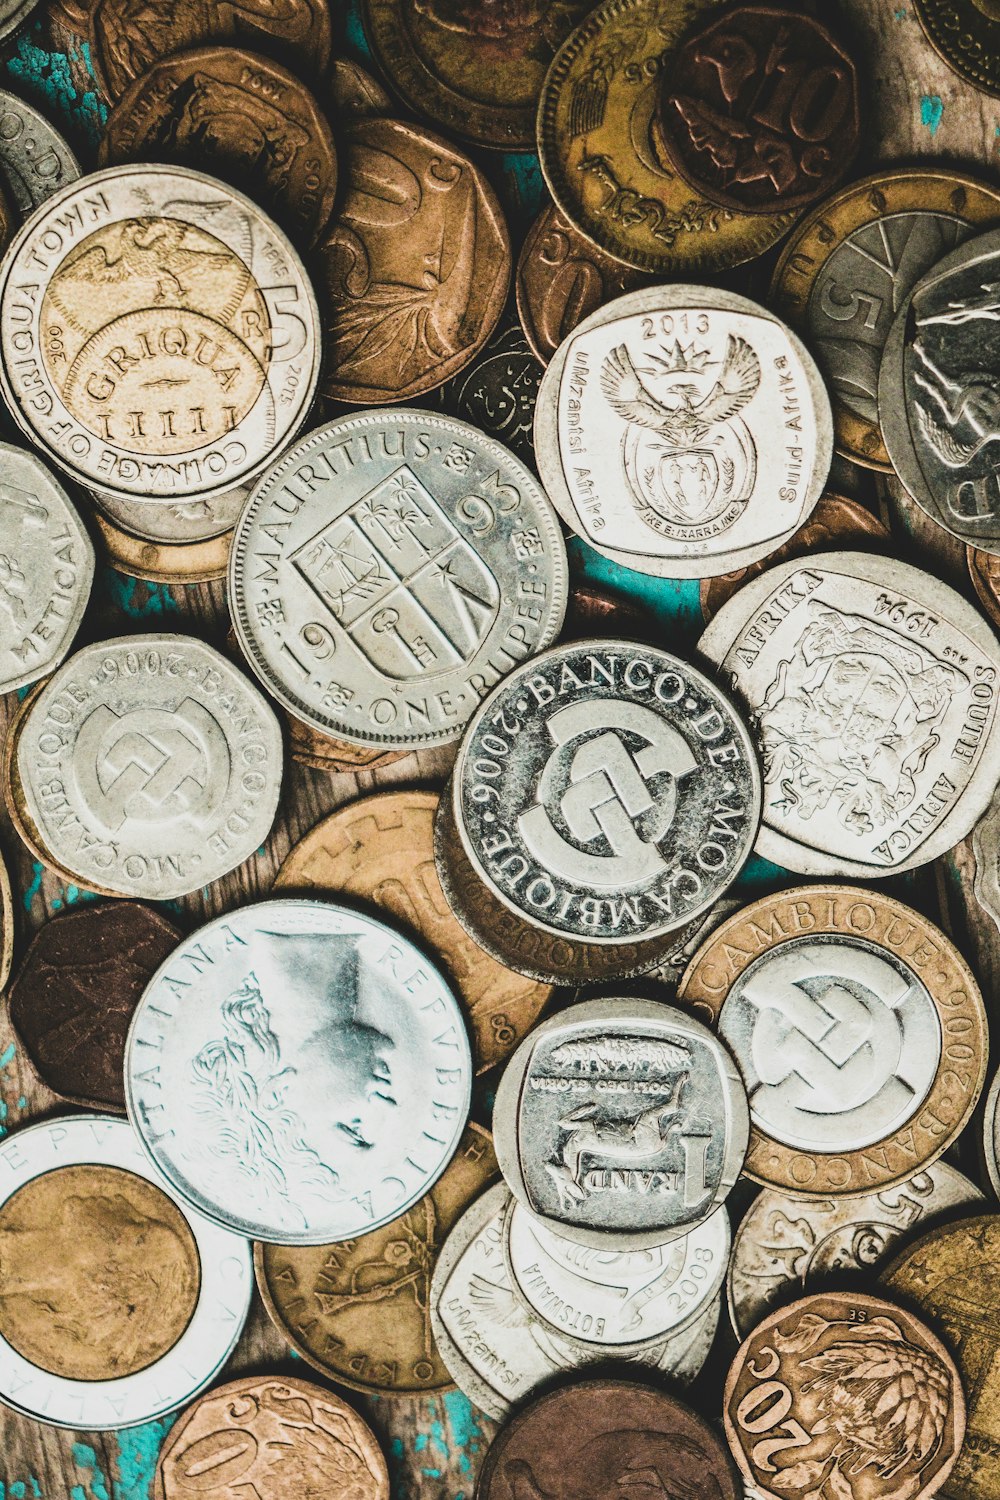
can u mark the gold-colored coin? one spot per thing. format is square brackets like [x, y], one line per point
[599, 159]
[847, 269]
[966, 34]
[163, 562]
[6, 926]
[359, 1311]
[860, 1031]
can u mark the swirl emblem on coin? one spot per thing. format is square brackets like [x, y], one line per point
[149, 763]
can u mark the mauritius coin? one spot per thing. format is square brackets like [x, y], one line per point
[379, 851]
[241, 116]
[35, 161]
[46, 569]
[683, 431]
[621, 1123]
[991, 1134]
[270, 1437]
[864, 1390]
[159, 335]
[388, 570]
[597, 154]
[858, 1027]
[788, 1245]
[119, 1302]
[872, 687]
[299, 1071]
[414, 269]
[966, 33]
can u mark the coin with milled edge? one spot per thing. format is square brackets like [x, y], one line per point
[788, 1245]
[858, 1027]
[966, 33]
[991, 1134]
[141, 281]
[35, 161]
[149, 766]
[300, 1072]
[163, 562]
[388, 570]
[872, 689]
[119, 1302]
[621, 1123]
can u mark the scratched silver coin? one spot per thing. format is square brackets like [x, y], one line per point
[35, 161]
[621, 1123]
[299, 1072]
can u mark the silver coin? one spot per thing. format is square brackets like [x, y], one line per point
[495, 1349]
[150, 766]
[619, 1300]
[389, 570]
[683, 431]
[46, 569]
[299, 1072]
[621, 1123]
[35, 161]
[991, 1134]
[689, 940]
[787, 1247]
[13, 14]
[607, 792]
[873, 690]
[159, 335]
[223, 1298]
[179, 521]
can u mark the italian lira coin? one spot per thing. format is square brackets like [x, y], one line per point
[683, 431]
[389, 570]
[159, 336]
[607, 792]
[46, 569]
[991, 1134]
[149, 766]
[621, 1123]
[788, 1245]
[121, 1302]
[299, 1072]
[35, 161]
[872, 688]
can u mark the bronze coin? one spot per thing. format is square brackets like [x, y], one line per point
[844, 1396]
[498, 391]
[759, 111]
[263, 1438]
[162, 562]
[592, 612]
[414, 270]
[6, 926]
[239, 117]
[321, 753]
[359, 1311]
[99, 1272]
[353, 94]
[836, 523]
[600, 1438]
[73, 996]
[966, 33]
[984, 570]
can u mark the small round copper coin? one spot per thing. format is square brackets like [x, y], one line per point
[984, 570]
[758, 109]
[844, 1397]
[239, 117]
[600, 1438]
[263, 1438]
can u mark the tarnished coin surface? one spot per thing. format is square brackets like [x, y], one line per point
[380, 851]
[388, 570]
[498, 391]
[858, 1028]
[788, 1245]
[6, 926]
[606, 792]
[984, 571]
[35, 161]
[119, 1302]
[13, 14]
[239, 116]
[163, 562]
[413, 271]
[352, 93]
[46, 569]
[991, 1134]
[270, 1437]
[967, 35]
[873, 691]
[299, 1071]
[159, 335]
[322, 753]
[621, 1123]
[149, 766]
[847, 269]
[844, 1385]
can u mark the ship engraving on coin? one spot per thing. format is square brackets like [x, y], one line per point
[35, 161]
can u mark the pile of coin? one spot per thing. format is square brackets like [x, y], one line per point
[524, 656]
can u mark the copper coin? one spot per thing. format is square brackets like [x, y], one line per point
[6, 926]
[262, 1438]
[844, 1396]
[562, 278]
[592, 611]
[163, 562]
[322, 753]
[239, 117]
[758, 110]
[966, 33]
[836, 523]
[380, 851]
[984, 570]
[359, 1311]
[128, 36]
[73, 996]
[601, 1438]
[414, 270]
[352, 93]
